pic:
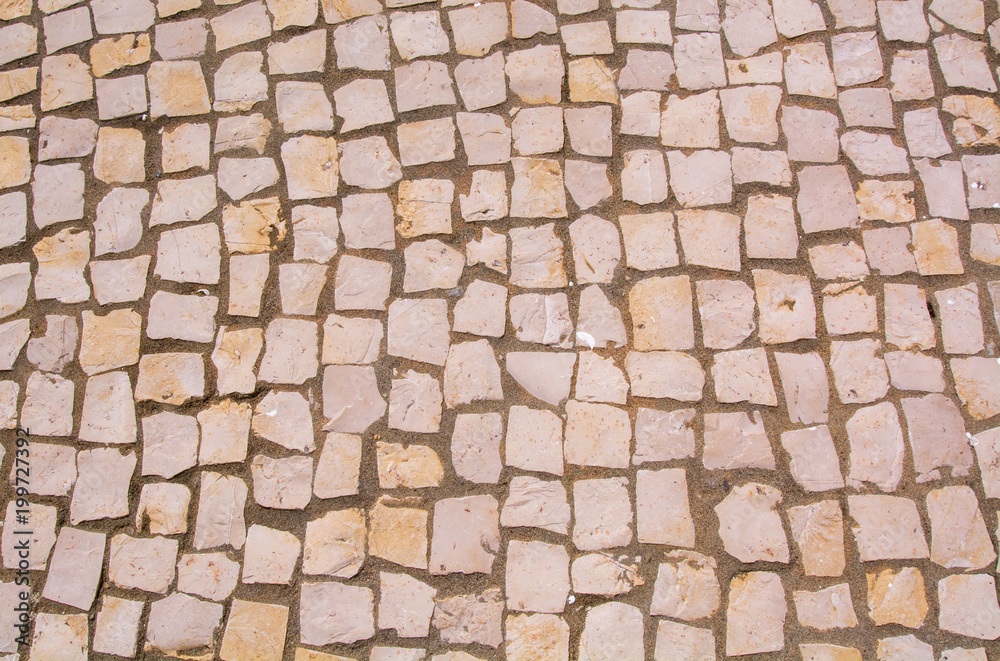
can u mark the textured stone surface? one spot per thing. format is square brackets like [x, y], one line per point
[502, 217]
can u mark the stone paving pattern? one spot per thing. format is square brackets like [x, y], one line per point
[547, 330]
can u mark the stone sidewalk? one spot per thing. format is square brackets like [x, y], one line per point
[530, 330]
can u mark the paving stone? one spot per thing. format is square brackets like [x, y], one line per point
[859, 375]
[335, 543]
[596, 434]
[351, 399]
[749, 524]
[117, 628]
[475, 447]
[536, 503]
[600, 380]
[701, 179]
[603, 514]
[537, 577]
[904, 647]
[969, 606]
[825, 200]
[939, 443]
[220, 519]
[963, 62]
[845, 176]
[910, 76]
[165, 507]
[648, 70]
[60, 637]
[338, 12]
[331, 612]
[818, 531]
[600, 573]
[590, 80]
[807, 71]
[698, 57]
[644, 177]
[868, 106]
[830, 608]
[58, 191]
[663, 514]
[415, 403]
[471, 374]
[787, 310]
[769, 227]
[975, 119]
[710, 238]
[398, 534]
[474, 618]
[534, 440]
[876, 442]
[849, 309]
[612, 630]
[481, 82]
[888, 527]
[915, 371]
[974, 381]
[748, 629]
[661, 313]
[254, 628]
[66, 81]
[144, 564]
[466, 535]
[75, 568]
[733, 441]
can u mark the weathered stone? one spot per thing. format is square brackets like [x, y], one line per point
[661, 313]
[830, 608]
[601, 573]
[702, 178]
[60, 637]
[62, 259]
[335, 544]
[888, 527]
[969, 606]
[818, 531]
[331, 612]
[413, 467]
[897, 597]
[466, 535]
[284, 418]
[282, 483]
[743, 376]
[117, 627]
[750, 526]
[220, 522]
[603, 514]
[75, 569]
[937, 436]
[398, 534]
[733, 441]
[876, 447]
[755, 617]
[644, 177]
[143, 564]
[958, 531]
[612, 631]
[164, 506]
